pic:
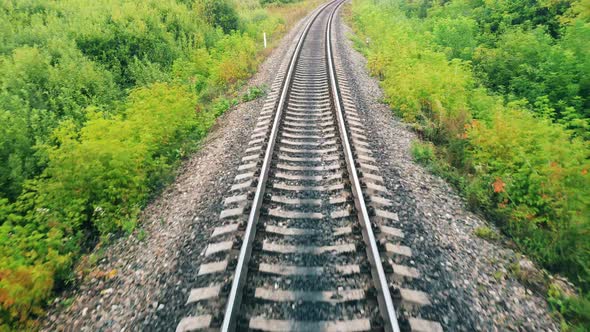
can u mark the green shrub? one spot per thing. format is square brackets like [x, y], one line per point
[456, 36]
[486, 233]
[37, 89]
[100, 173]
[536, 176]
[253, 93]
[509, 126]
[98, 102]
[220, 13]
[265, 2]
[527, 65]
[97, 177]
[573, 311]
[419, 83]
[423, 152]
[234, 59]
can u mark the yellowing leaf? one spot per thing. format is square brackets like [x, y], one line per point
[112, 273]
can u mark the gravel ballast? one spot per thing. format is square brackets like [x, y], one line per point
[142, 281]
[467, 278]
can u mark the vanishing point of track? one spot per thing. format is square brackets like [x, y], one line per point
[297, 250]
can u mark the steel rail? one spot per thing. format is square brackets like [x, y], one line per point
[384, 297]
[235, 295]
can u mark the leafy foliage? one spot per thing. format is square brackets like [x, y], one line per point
[531, 50]
[487, 233]
[423, 153]
[570, 309]
[220, 13]
[99, 100]
[545, 191]
[501, 88]
[253, 93]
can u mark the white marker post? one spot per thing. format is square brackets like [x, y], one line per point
[264, 33]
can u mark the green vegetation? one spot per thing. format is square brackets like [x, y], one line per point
[499, 275]
[486, 233]
[502, 89]
[570, 308]
[253, 93]
[99, 100]
[423, 153]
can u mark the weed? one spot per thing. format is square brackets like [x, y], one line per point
[486, 233]
[499, 275]
[67, 302]
[423, 153]
[253, 93]
[481, 288]
[141, 235]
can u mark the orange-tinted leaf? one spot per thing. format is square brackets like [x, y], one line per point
[498, 185]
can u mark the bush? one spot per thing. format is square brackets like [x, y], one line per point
[518, 156]
[94, 117]
[97, 177]
[234, 59]
[265, 2]
[254, 92]
[456, 36]
[527, 65]
[536, 178]
[486, 233]
[101, 172]
[221, 14]
[423, 152]
[575, 310]
[419, 83]
[37, 89]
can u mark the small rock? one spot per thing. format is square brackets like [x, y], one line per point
[566, 287]
[106, 291]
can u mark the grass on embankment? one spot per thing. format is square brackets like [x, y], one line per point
[516, 157]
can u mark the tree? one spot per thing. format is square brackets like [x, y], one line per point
[221, 14]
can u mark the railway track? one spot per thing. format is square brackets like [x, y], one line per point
[309, 240]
